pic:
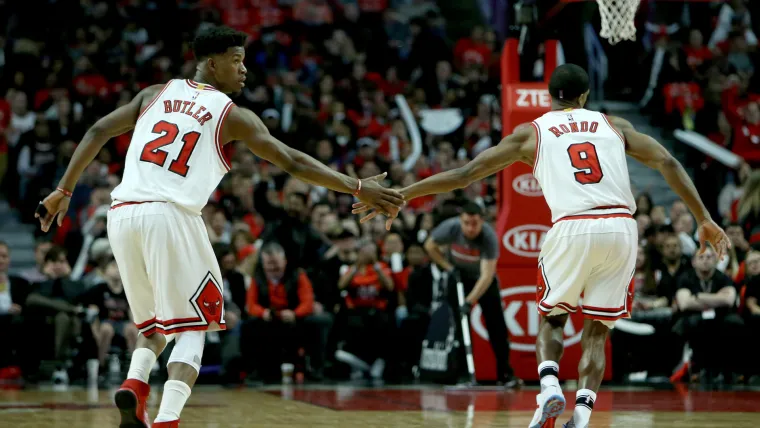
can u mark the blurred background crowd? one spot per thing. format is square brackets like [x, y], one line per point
[324, 76]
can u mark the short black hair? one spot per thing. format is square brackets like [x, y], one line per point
[55, 253]
[41, 241]
[221, 250]
[568, 82]
[471, 208]
[321, 203]
[272, 247]
[217, 40]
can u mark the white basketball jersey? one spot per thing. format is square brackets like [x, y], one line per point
[176, 154]
[581, 164]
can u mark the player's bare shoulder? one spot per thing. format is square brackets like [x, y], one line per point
[622, 125]
[525, 138]
[146, 96]
[241, 124]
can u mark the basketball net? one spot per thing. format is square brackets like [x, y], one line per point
[618, 19]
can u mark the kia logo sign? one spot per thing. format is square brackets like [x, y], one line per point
[525, 240]
[522, 320]
[526, 184]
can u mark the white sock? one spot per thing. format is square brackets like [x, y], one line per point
[548, 372]
[584, 404]
[173, 400]
[142, 363]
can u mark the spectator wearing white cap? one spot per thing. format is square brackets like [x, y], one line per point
[272, 119]
[366, 152]
[94, 228]
[100, 255]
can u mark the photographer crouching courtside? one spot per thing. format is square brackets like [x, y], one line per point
[473, 250]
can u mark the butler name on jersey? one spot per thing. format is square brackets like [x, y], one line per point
[176, 154]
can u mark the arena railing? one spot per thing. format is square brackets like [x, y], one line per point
[412, 129]
[709, 148]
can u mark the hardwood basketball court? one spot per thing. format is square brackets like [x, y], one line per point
[351, 406]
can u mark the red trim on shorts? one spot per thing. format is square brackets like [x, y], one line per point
[622, 137]
[164, 327]
[540, 302]
[566, 306]
[144, 324]
[614, 313]
[562, 305]
[153, 101]
[607, 318]
[159, 330]
[168, 323]
[610, 310]
[132, 203]
[217, 136]
[623, 311]
[538, 144]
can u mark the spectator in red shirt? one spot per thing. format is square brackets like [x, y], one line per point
[746, 123]
[749, 208]
[279, 298]
[367, 322]
[313, 12]
[696, 51]
[472, 50]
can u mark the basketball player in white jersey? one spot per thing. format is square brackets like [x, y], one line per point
[579, 159]
[176, 159]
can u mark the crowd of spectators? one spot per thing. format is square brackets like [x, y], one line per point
[302, 277]
[689, 298]
[704, 63]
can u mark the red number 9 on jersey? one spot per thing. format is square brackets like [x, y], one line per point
[583, 157]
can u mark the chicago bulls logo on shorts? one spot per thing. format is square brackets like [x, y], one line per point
[208, 300]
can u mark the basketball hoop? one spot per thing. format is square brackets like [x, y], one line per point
[617, 19]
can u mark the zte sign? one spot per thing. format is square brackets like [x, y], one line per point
[522, 319]
[533, 98]
[525, 240]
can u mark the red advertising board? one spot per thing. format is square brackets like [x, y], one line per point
[523, 221]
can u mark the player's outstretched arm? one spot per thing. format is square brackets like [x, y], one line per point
[244, 125]
[648, 151]
[519, 146]
[117, 122]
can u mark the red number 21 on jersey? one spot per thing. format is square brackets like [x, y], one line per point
[152, 151]
[583, 158]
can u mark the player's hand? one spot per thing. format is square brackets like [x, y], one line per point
[709, 231]
[375, 196]
[56, 204]
[267, 316]
[288, 316]
[361, 207]
[15, 309]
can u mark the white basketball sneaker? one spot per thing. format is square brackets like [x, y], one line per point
[551, 404]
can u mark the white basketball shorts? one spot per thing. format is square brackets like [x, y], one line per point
[588, 262]
[170, 273]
